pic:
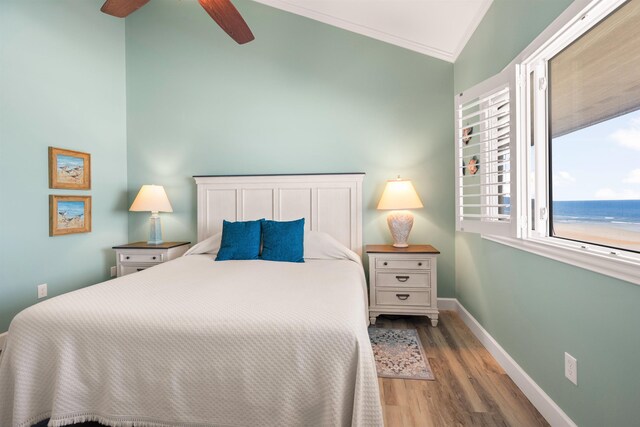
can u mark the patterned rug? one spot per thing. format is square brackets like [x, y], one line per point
[399, 354]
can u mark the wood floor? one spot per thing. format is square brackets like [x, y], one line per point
[470, 389]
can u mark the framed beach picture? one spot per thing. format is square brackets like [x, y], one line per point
[69, 214]
[69, 169]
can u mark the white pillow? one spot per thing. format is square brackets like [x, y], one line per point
[210, 245]
[319, 245]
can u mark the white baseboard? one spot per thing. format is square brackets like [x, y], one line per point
[3, 338]
[448, 304]
[543, 403]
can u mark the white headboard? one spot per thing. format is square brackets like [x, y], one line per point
[328, 202]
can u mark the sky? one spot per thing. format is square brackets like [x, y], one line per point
[601, 162]
[71, 208]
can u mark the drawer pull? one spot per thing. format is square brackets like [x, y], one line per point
[128, 257]
[402, 278]
[402, 297]
[153, 258]
[419, 264]
[385, 263]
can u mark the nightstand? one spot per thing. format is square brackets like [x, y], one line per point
[141, 255]
[403, 281]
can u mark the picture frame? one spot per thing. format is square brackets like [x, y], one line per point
[69, 169]
[69, 214]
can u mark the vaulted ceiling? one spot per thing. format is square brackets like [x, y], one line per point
[439, 28]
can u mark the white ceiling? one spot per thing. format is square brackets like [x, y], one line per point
[439, 28]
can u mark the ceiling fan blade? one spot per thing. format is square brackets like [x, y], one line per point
[229, 19]
[122, 8]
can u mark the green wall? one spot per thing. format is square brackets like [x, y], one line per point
[62, 83]
[302, 97]
[506, 29]
[537, 308]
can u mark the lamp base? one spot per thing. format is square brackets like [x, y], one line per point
[400, 224]
[155, 229]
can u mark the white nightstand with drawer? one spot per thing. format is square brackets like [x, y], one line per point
[403, 281]
[141, 255]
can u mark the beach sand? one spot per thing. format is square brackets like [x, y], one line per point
[76, 222]
[70, 176]
[619, 236]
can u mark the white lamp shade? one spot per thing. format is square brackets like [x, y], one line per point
[151, 198]
[399, 194]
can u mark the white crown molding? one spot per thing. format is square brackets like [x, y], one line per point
[366, 31]
[471, 28]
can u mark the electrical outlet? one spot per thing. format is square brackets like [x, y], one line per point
[571, 368]
[42, 290]
[114, 271]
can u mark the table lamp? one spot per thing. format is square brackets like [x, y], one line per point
[152, 198]
[399, 195]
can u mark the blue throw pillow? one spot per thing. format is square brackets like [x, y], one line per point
[283, 240]
[240, 240]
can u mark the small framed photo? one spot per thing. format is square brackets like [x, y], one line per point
[69, 169]
[69, 214]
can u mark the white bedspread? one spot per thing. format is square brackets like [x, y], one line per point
[193, 342]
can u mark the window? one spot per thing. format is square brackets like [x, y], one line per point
[562, 167]
[594, 184]
[594, 134]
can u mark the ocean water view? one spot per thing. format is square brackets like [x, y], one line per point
[620, 212]
[611, 223]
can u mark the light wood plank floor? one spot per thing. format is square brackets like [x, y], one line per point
[470, 389]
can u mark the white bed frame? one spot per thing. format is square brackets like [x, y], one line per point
[331, 203]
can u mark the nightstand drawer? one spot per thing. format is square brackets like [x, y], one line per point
[412, 280]
[134, 257]
[147, 258]
[403, 264]
[406, 298]
[127, 269]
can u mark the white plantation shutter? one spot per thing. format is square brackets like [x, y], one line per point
[486, 120]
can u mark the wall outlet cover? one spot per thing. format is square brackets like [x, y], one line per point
[114, 271]
[42, 290]
[571, 368]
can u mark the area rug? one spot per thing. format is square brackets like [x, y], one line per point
[399, 354]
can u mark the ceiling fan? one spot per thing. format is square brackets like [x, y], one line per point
[222, 11]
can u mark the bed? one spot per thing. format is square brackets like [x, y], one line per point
[193, 342]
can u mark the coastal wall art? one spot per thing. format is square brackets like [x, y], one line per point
[69, 169]
[69, 214]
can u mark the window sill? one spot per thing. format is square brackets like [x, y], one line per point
[609, 265]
